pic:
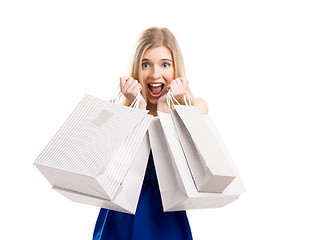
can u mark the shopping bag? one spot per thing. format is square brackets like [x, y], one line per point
[204, 153]
[177, 187]
[93, 150]
[127, 196]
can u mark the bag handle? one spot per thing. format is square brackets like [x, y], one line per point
[135, 103]
[189, 99]
[172, 100]
[117, 95]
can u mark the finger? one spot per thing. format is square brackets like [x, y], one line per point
[181, 84]
[137, 88]
[123, 80]
[169, 87]
[178, 87]
[185, 83]
[173, 87]
[132, 85]
[133, 92]
[127, 85]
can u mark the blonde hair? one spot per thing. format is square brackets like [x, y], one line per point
[156, 37]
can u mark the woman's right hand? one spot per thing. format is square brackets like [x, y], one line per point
[130, 88]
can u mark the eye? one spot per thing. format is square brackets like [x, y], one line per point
[166, 64]
[145, 65]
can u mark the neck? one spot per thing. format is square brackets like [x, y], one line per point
[152, 109]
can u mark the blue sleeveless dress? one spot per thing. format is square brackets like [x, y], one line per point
[149, 222]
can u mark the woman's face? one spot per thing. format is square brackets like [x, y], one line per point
[157, 72]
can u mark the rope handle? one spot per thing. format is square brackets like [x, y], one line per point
[171, 100]
[135, 103]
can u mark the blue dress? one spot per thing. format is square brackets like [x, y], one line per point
[149, 222]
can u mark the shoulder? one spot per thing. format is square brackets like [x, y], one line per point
[201, 104]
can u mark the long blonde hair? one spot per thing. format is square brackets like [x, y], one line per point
[156, 37]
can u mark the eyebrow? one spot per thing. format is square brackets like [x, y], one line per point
[164, 59]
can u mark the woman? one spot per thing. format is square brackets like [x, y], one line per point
[157, 67]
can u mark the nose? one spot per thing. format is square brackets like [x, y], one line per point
[156, 72]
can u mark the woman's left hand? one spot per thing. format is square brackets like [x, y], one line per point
[178, 87]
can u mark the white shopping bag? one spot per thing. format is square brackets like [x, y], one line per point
[127, 196]
[177, 187]
[93, 150]
[206, 159]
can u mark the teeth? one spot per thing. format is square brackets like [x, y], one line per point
[155, 84]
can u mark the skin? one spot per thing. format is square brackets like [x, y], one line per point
[157, 67]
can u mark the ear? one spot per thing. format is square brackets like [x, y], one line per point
[201, 104]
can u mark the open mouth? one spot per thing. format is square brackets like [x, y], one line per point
[155, 89]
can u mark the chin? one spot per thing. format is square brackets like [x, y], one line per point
[153, 101]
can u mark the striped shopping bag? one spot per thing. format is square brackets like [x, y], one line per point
[93, 150]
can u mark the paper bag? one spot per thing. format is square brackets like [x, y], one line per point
[93, 150]
[207, 161]
[177, 187]
[127, 196]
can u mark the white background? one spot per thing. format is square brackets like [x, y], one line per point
[256, 63]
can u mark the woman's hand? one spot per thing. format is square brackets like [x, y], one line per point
[130, 88]
[178, 89]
